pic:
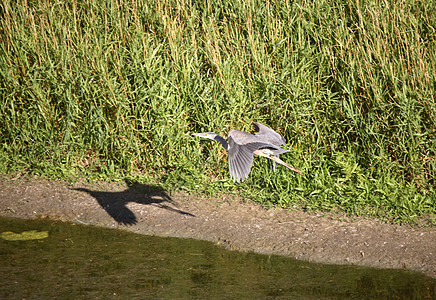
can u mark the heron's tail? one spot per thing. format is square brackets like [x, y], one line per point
[278, 160]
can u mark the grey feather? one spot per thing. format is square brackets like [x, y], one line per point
[242, 145]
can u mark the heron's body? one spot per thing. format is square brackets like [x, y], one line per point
[241, 147]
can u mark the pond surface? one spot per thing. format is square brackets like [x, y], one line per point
[77, 261]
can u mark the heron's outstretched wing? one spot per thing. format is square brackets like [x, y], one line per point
[268, 135]
[241, 148]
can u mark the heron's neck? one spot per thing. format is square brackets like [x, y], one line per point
[222, 141]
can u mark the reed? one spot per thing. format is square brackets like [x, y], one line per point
[112, 89]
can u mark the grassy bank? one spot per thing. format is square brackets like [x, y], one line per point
[114, 89]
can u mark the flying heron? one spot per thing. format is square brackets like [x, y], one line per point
[243, 145]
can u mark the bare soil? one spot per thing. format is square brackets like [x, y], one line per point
[227, 221]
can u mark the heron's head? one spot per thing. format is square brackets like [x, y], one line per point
[206, 135]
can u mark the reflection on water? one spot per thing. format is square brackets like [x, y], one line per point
[77, 261]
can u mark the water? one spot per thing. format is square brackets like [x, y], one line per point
[77, 261]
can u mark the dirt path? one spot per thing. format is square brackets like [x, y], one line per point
[226, 221]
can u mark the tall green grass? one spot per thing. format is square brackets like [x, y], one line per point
[113, 88]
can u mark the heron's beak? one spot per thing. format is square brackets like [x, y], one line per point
[201, 134]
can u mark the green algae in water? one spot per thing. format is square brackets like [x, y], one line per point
[24, 236]
[78, 261]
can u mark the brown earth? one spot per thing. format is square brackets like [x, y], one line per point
[233, 223]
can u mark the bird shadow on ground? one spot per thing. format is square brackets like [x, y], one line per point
[114, 203]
